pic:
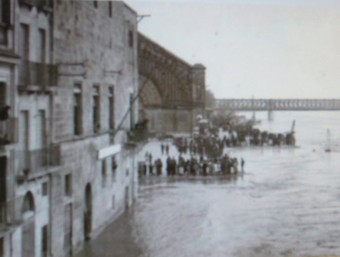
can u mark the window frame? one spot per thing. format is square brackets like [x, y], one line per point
[68, 189]
[44, 188]
[24, 48]
[77, 109]
[104, 172]
[111, 107]
[96, 110]
[43, 44]
[110, 8]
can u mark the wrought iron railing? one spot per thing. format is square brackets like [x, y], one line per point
[8, 131]
[37, 74]
[35, 161]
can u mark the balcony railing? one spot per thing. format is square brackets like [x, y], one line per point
[137, 135]
[39, 3]
[8, 131]
[35, 161]
[28, 2]
[37, 74]
[8, 215]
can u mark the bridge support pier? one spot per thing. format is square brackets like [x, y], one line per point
[270, 115]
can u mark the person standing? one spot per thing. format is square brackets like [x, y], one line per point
[168, 164]
[159, 165]
[242, 164]
[162, 148]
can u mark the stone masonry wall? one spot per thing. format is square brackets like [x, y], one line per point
[92, 48]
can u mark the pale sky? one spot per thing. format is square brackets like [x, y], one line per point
[252, 48]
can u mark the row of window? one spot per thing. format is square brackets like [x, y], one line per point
[95, 4]
[96, 109]
[68, 179]
[130, 33]
[24, 48]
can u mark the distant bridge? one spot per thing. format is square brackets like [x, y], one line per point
[278, 104]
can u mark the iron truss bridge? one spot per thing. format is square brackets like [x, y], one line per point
[278, 104]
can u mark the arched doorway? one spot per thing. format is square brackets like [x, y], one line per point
[28, 235]
[88, 212]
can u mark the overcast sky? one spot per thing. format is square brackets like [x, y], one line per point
[260, 48]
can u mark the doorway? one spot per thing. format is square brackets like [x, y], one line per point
[88, 212]
[28, 231]
[3, 189]
[126, 197]
[68, 230]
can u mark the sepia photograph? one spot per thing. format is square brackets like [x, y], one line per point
[169, 128]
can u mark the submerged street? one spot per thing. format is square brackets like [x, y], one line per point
[285, 204]
[264, 212]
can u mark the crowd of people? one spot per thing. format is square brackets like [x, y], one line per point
[198, 157]
[254, 137]
[204, 154]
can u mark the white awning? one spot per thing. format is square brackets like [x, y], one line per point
[109, 151]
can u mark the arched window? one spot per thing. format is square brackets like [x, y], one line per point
[28, 204]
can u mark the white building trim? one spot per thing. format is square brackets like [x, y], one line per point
[109, 151]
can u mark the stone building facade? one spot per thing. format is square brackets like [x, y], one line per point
[172, 91]
[68, 71]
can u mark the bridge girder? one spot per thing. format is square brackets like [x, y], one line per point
[278, 104]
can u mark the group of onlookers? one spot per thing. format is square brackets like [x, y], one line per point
[193, 166]
[197, 156]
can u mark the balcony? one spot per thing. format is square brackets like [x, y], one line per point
[34, 162]
[139, 133]
[43, 4]
[8, 131]
[8, 216]
[137, 136]
[34, 76]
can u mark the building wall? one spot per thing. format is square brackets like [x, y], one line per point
[35, 19]
[8, 59]
[87, 46]
[32, 103]
[92, 48]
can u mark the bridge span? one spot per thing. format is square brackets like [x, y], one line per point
[278, 104]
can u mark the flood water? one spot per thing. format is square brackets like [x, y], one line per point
[286, 204]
